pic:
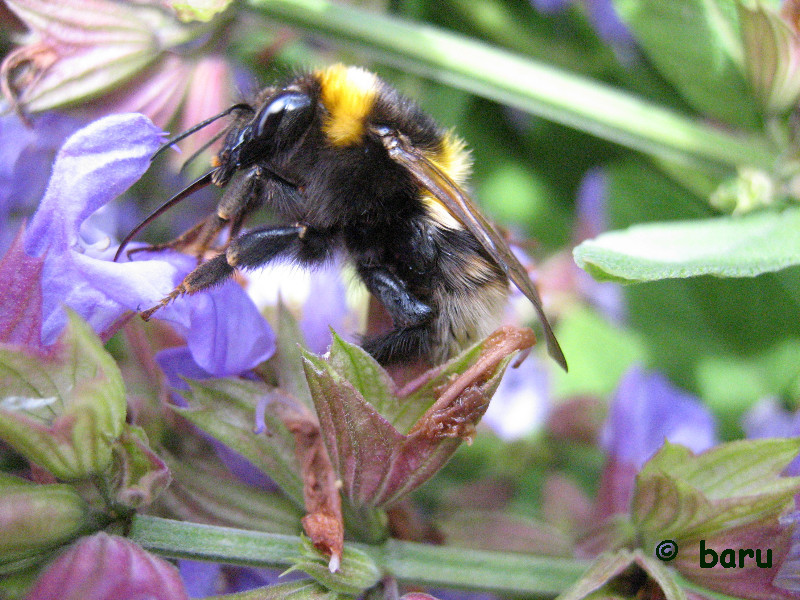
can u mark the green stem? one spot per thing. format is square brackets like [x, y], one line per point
[420, 564]
[516, 81]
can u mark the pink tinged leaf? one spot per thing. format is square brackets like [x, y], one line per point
[378, 464]
[106, 567]
[737, 571]
[323, 522]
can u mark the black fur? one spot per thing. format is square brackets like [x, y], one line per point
[354, 198]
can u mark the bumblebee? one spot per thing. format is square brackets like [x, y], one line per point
[348, 165]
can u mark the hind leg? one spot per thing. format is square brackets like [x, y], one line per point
[412, 336]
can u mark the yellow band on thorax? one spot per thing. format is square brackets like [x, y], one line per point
[348, 93]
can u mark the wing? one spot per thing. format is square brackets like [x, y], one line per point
[444, 189]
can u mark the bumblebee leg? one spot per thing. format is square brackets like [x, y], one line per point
[241, 197]
[406, 310]
[411, 338]
[252, 249]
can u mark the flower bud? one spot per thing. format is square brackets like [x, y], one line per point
[34, 517]
[107, 567]
[384, 442]
[724, 508]
[771, 56]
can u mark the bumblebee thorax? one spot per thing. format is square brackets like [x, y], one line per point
[348, 95]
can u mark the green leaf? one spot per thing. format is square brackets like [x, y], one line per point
[63, 411]
[682, 496]
[226, 410]
[287, 362]
[696, 45]
[728, 246]
[364, 373]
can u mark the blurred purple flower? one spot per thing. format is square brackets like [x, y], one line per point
[550, 7]
[647, 410]
[560, 277]
[326, 308]
[105, 567]
[607, 23]
[21, 315]
[24, 149]
[602, 15]
[768, 419]
[224, 331]
[521, 402]
[205, 579]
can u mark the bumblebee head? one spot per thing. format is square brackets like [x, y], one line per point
[275, 128]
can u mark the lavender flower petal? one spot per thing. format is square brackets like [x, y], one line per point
[647, 409]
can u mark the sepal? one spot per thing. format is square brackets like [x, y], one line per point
[63, 411]
[356, 573]
[81, 48]
[141, 475]
[36, 517]
[384, 442]
[108, 567]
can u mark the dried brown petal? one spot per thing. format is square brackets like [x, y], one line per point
[323, 523]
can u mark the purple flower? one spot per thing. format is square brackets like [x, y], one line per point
[647, 410]
[562, 278]
[601, 14]
[21, 316]
[319, 295]
[23, 151]
[105, 567]
[768, 419]
[224, 331]
[521, 402]
[326, 308]
[607, 23]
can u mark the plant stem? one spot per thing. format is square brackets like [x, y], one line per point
[525, 84]
[420, 564]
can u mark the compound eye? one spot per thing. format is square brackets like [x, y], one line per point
[291, 107]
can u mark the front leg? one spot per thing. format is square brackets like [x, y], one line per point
[254, 249]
